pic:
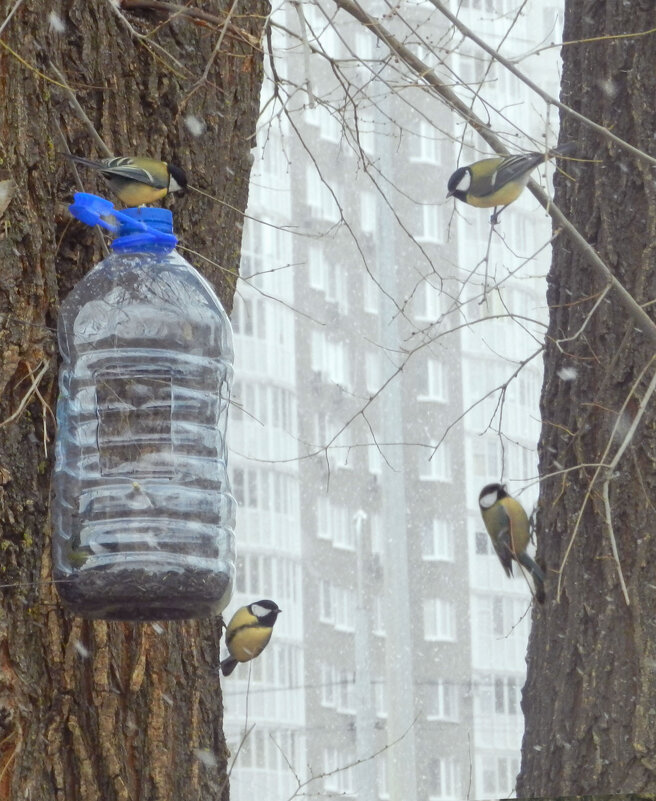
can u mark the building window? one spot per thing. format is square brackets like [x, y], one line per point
[340, 455]
[346, 692]
[378, 627]
[320, 31]
[372, 371]
[344, 607]
[432, 382]
[337, 286]
[323, 518]
[343, 529]
[437, 541]
[380, 697]
[489, 777]
[444, 782]
[335, 523]
[432, 227]
[435, 466]
[242, 317]
[331, 279]
[425, 146]
[499, 696]
[337, 777]
[371, 293]
[326, 611]
[381, 776]
[328, 696]
[512, 688]
[330, 125]
[370, 290]
[499, 775]
[367, 136]
[442, 702]
[376, 534]
[316, 270]
[439, 620]
[238, 485]
[374, 459]
[486, 455]
[331, 766]
[428, 302]
[329, 359]
[498, 626]
[368, 212]
[507, 694]
[319, 197]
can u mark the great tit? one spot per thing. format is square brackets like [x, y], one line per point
[136, 180]
[248, 633]
[500, 180]
[507, 524]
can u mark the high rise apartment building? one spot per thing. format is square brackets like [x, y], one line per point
[383, 376]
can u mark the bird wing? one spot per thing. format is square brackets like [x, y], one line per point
[238, 621]
[518, 524]
[519, 537]
[249, 641]
[124, 167]
[496, 519]
[515, 168]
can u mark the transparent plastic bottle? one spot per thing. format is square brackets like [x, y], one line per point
[143, 517]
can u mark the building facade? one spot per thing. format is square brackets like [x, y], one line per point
[384, 374]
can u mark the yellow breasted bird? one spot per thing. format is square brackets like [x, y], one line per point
[136, 180]
[248, 633]
[500, 180]
[507, 524]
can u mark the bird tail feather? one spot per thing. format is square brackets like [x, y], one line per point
[536, 572]
[566, 149]
[95, 165]
[228, 665]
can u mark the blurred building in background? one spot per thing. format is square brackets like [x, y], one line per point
[388, 366]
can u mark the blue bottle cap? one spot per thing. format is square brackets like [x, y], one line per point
[142, 228]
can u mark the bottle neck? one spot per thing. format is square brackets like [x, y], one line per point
[158, 236]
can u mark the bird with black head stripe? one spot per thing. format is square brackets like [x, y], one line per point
[136, 180]
[508, 528]
[248, 633]
[500, 180]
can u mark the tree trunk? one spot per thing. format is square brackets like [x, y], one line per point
[90, 710]
[590, 695]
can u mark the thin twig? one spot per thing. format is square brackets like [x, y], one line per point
[5, 22]
[552, 101]
[192, 13]
[217, 46]
[585, 250]
[82, 113]
[608, 467]
[28, 395]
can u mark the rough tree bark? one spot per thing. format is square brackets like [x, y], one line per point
[590, 696]
[96, 711]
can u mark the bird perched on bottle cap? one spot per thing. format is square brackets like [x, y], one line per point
[248, 633]
[500, 180]
[137, 180]
[507, 524]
